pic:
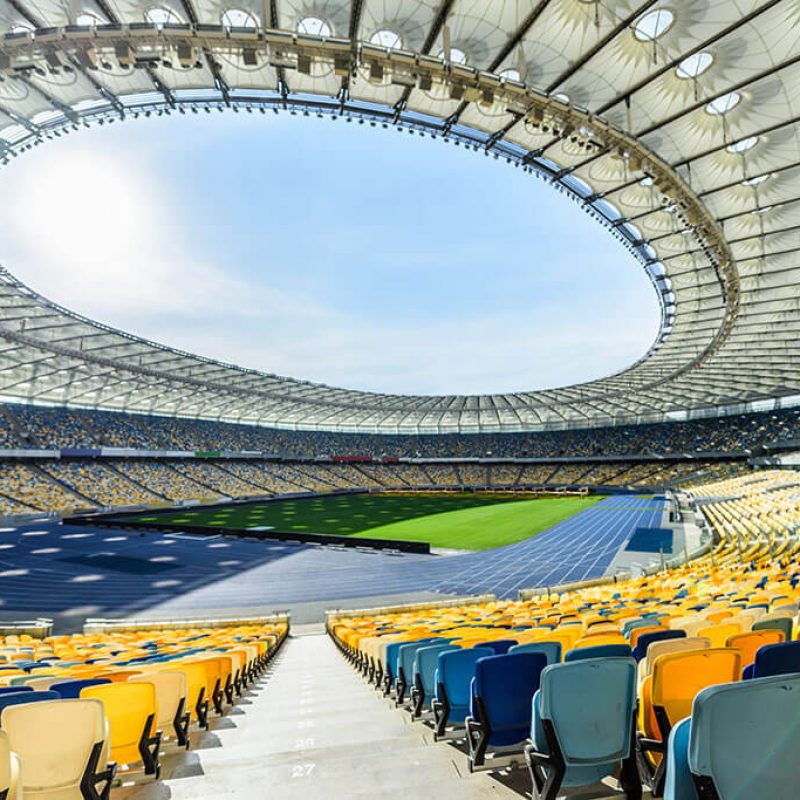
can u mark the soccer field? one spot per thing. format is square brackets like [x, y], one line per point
[460, 521]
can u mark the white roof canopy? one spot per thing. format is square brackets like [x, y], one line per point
[674, 124]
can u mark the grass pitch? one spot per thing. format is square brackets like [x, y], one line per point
[459, 521]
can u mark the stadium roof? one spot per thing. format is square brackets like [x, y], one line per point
[674, 123]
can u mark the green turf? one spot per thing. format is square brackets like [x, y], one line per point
[461, 521]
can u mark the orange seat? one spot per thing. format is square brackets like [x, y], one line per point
[750, 642]
[718, 635]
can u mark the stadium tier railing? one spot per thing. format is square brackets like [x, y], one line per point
[98, 625]
[39, 628]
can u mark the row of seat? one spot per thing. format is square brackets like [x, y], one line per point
[79, 712]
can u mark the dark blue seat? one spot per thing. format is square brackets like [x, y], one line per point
[598, 651]
[15, 698]
[425, 663]
[455, 670]
[71, 690]
[775, 659]
[498, 646]
[501, 702]
[14, 689]
[646, 639]
[551, 649]
[582, 728]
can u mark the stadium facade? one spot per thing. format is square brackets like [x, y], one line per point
[672, 124]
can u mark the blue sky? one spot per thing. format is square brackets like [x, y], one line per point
[346, 254]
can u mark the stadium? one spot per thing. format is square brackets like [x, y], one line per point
[587, 590]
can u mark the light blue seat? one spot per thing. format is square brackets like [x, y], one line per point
[551, 649]
[679, 783]
[405, 666]
[743, 739]
[583, 726]
[501, 702]
[598, 651]
[424, 688]
[455, 670]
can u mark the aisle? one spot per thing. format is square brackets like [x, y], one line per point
[312, 729]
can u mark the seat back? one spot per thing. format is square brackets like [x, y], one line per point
[679, 783]
[748, 644]
[591, 704]
[170, 688]
[455, 670]
[407, 654]
[504, 686]
[54, 741]
[719, 634]
[71, 689]
[8, 769]
[678, 677]
[776, 623]
[679, 645]
[17, 698]
[777, 659]
[741, 738]
[14, 689]
[498, 646]
[551, 649]
[645, 640]
[425, 663]
[127, 706]
[600, 651]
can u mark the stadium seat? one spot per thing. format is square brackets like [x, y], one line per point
[784, 624]
[676, 680]
[501, 702]
[775, 659]
[17, 698]
[63, 747]
[171, 693]
[454, 673]
[14, 689]
[10, 786]
[405, 666]
[739, 741]
[197, 703]
[583, 727]
[682, 644]
[644, 641]
[679, 783]
[132, 714]
[71, 689]
[598, 651]
[425, 663]
[498, 646]
[551, 649]
[748, 644]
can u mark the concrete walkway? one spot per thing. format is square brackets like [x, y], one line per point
[312, 729]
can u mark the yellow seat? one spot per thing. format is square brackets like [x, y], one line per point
[132, 713]
[719, 634]
[749, 643]
[171, 692]
[61, 744]
[10, 787]
[657, 649]
[197, 701]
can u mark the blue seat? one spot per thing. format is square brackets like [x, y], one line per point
[425, 663]
[775, 659]
[498, 646]
[16, 698]
[390, 676]
[583, 726]
[14, 689]
[679, 783]
[405, 666]
[501, 702]
[71, 690]
[598, 651]
[646, 639]
[551, 649]
[741, 740]
[455, 670]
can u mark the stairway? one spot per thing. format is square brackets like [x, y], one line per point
[313, 730]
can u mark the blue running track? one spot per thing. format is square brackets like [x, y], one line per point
[49, 568]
